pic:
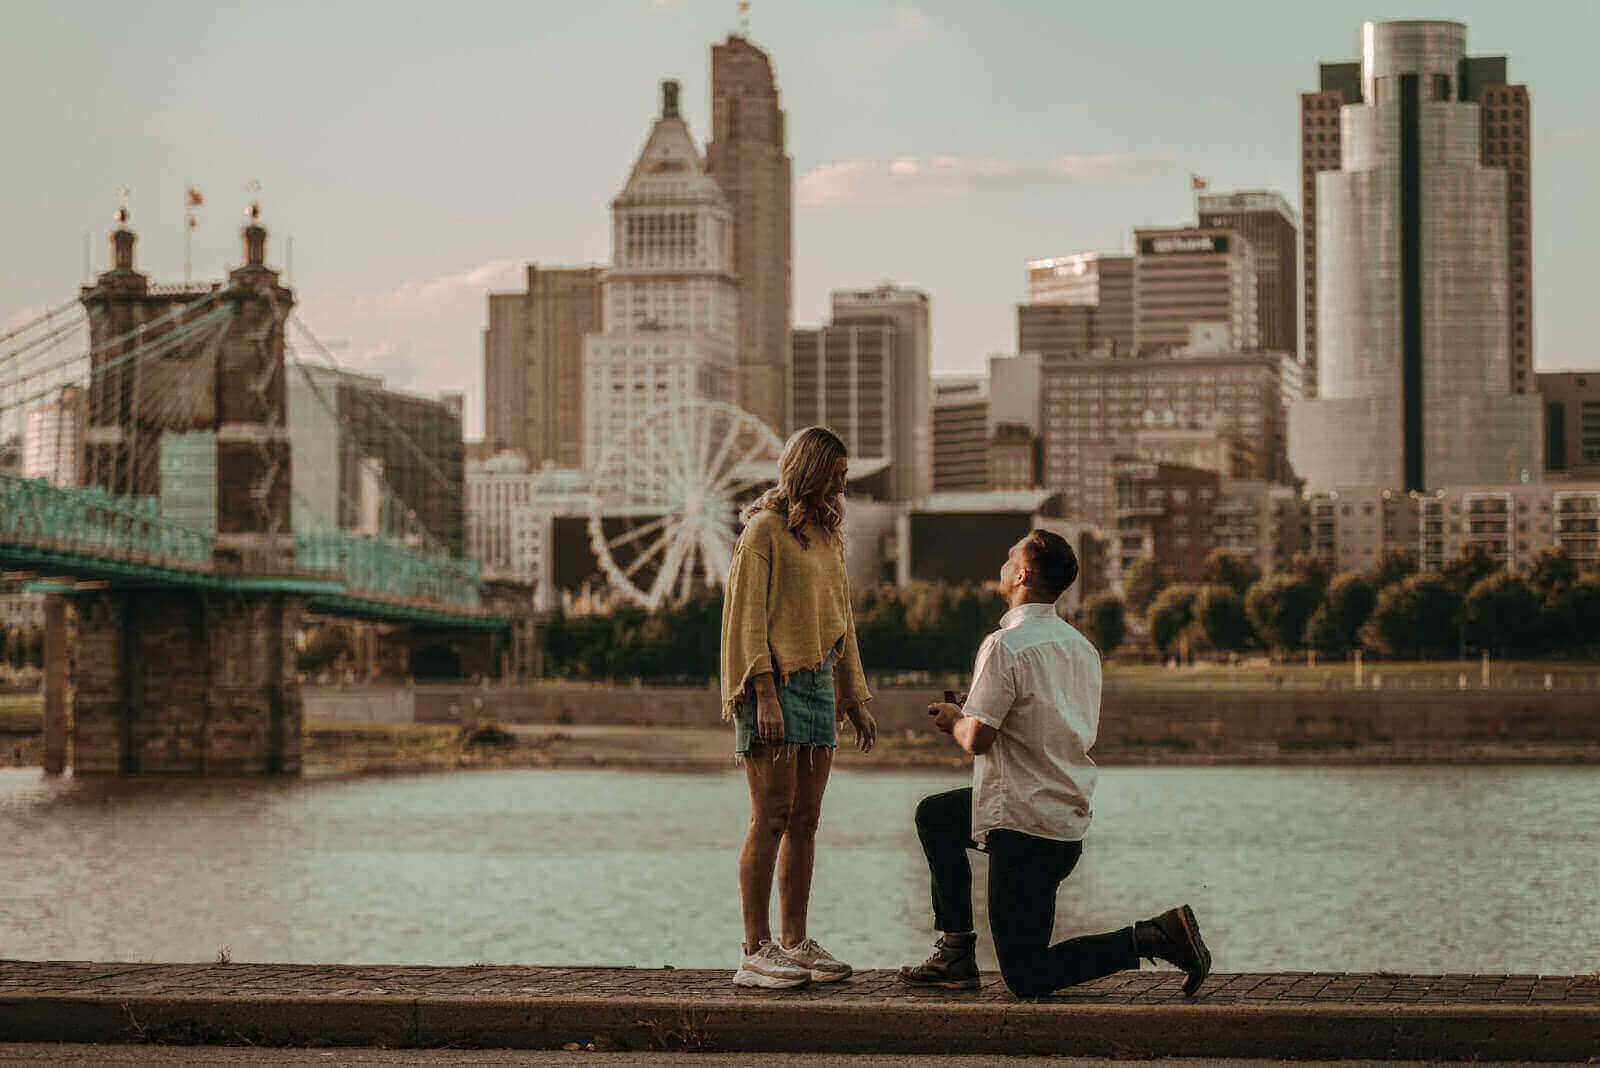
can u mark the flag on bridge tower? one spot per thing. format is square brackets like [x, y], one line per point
[1196, 182]
[195, 198]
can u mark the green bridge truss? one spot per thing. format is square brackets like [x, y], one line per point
[87, 533]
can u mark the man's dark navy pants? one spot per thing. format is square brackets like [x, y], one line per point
[1024, 874]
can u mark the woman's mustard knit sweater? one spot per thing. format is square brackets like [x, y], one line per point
[786, 607]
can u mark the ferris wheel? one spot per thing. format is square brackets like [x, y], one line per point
[665, 494]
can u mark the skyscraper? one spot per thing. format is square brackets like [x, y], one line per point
[670, 298]
[1077, 304]
[1417, 380]
[1504, 143]
[845, 377]
[1187, 275]
[1264, 219]
[961, 433]
[746, 157]
[533, 364]
[908, 310]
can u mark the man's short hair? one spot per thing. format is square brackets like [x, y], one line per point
[1051, 562]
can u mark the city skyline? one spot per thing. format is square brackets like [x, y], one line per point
[912, 161]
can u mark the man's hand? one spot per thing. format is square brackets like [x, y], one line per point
[946, 715]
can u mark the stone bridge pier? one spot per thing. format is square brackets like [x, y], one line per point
[178, 683]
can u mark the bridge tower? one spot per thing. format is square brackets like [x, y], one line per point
[174, 681]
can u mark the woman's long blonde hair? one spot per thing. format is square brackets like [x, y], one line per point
[805, 478]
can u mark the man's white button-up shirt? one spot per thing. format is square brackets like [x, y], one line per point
[1037, 682]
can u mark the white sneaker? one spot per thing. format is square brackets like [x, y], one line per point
[823, 966]
[769, 968]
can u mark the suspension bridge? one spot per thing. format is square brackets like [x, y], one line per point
[158, 508]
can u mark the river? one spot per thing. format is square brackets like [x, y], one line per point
[1430, 869]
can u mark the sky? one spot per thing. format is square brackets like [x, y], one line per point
[419, 155]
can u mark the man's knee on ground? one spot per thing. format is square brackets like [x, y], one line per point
[1023, 972]
[929, 812]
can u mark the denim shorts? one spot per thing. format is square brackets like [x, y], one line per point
[806, 699]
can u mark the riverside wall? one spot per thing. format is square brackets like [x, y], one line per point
[1173, 721]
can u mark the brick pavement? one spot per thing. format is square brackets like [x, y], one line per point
[1290, 1014]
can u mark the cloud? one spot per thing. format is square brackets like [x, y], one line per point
[424, 336]
[893, 180]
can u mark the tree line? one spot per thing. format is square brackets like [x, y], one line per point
[923, 627]
[1392, 609]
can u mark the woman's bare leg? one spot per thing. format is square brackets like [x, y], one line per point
[771, 777]
[798, 852]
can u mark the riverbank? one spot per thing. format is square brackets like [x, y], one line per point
[335, 748]
[1132, 1014]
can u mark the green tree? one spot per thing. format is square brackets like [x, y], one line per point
[1420, 617]
[1576, 617]
[1466, 569]
[1279, 606]
[1393, 566]
[1106, 622]
[1311, 570]
[1143, 583]
[1502, 613]
[1335, 626]
[1221, 615]
[1552, 571]
[1171, 613]
[1225, 569]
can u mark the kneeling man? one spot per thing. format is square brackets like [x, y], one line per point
[1030, 720]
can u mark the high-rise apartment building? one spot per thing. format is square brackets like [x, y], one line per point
[1013, 457]
[1058, 333]
[1505, 121]
[1096, 409]
[960, 433]
[670, 300]
[1265, 220]
[908, 311]
[1413, 291]
[1188, 275]
[533, 363]
[746, 156]
[845, 377]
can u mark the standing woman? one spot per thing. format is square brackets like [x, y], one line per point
[790, 673]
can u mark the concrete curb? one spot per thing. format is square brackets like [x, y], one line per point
[752, 1023]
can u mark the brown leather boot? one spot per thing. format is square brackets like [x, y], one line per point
[953, 965]
[1174, 936]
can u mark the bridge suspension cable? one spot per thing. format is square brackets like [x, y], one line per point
[39, 320]
[166, 340]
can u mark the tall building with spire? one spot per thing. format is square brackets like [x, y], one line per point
[1420, 382]
[670, 302]
[746, 157]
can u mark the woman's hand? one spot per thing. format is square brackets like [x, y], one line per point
[769, 714]
[863, 724]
